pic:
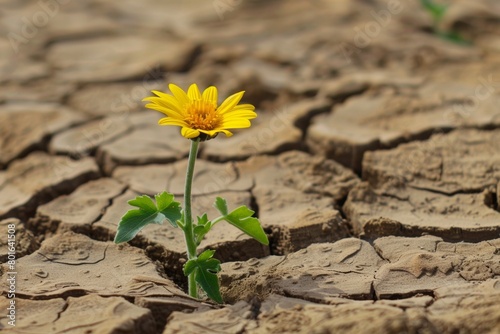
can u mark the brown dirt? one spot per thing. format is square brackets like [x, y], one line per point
[374, 166]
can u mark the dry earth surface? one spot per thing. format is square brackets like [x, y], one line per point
[374, 165]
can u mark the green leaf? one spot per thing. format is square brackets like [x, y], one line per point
[221, 205]
[207, 254]
[243, 220]
[147, 213]
[206, 277]
[453, 37]
[436, 10]
[189, 267]
[205, 269]
[201, 228]
[203, 220]
[180, 221]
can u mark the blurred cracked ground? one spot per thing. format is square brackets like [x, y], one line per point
[374, 165]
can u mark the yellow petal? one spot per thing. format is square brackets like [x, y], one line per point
[237, 123]
[171, 121]
[230, 103]
[212, 133]
[168, 102]
[248, 114]
[210, 94]
[194, 93]
[159, 94]
[166, 111]
[245, 106]
[179, 94]
[189, 133]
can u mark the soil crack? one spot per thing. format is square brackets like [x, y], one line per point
[448, 194]
[59, 314]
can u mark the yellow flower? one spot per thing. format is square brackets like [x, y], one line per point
[198, 114]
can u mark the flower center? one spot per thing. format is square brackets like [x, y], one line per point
[202, 115]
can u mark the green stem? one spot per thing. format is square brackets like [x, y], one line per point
[188, 221]
[218, 219]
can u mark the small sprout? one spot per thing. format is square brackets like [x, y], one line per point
[438, 11]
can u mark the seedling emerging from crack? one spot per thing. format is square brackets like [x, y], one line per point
[437, 11]
[200, 119]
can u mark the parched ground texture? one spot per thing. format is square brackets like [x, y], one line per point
[374, 165]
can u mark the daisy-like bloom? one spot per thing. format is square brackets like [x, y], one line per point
[198, 114]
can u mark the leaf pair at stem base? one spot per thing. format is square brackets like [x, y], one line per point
[204, 266]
